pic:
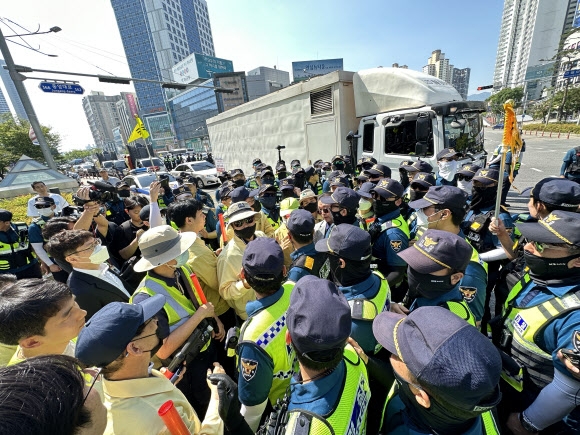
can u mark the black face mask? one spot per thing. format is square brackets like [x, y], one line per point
[339, 167]
[382, 208]
[282, 175]
[268, 202]
[550, 268]
[353, 272]
[156, 348]
[246, 233]
[414, 195]
[239, 183]
[257, 206]
[482, 197]
[299, 180]
[268, 180]
[311, 207]
[338, 219]
[125, 193]
[403, 178]
[427, 285]
[288, 193]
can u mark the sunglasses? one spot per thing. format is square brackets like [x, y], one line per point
[464, 177]
[37, 206]
[239, 224]
[90, 376]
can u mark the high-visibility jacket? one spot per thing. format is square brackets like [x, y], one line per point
[350, 414]
[17, 254]
[266, 330]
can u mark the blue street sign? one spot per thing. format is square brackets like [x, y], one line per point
[61, 88]
[572, 73]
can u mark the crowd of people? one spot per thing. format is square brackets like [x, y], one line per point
[334, 298]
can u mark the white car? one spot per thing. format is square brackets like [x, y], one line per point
[140, 183]
[205, 172]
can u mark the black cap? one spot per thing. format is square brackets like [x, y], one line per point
[239, 194]
[450, 197]
[287, 183]
[336, 158]
[326, 166]
[559, 227]
[294, 163]
[446, 153]
[281, 167]
[107, 334]
[256, 161]
[347, 241]
[365, 189]
[418, 166]
[309, 171]
[344, 197]
[226, 189]
[265, 187]
[339, 181]
[362, 177]
[265, 172]
[428, 342]
[557, 191]
[469, 170]
[43, 200]
[263, 256]
[5, 215]
[235, 172]
[423, 179]
[436, 250]
[318, 334]
[301, 223]
[487, 176]
[380, 170]
[144, 213]
[387, 188]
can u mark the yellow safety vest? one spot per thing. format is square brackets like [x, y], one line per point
[350, 416]
[368, 309]
[526, 325]
[15, 255]
[462, 310]
[266, 330]
[274, 224]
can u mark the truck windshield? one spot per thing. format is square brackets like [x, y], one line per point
[401, 139]
[464, 132]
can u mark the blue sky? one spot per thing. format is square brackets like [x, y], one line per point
[255, 33]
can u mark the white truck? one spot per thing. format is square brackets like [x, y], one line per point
[390, 114]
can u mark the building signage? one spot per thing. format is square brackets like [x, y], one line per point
[199, 66]
[310, 68]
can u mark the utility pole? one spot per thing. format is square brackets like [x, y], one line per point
[18, 83]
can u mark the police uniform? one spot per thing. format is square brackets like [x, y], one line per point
[15, 251]
[571, 165]
[540, 317]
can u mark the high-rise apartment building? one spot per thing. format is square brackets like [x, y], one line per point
[156, 35]
[438, 66]
[102, 116]
[461, 81]
[12, 93]
[529, 36]
[4, 108]
[263, 80]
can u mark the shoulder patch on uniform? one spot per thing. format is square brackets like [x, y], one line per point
[309, 262]
[576, 340]
[249, 367]
[396, 245]
[468, 293]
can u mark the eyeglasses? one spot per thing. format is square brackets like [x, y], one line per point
[464, 177]
[90, 376]
[239, 224]
[323, 210]
[96, 242]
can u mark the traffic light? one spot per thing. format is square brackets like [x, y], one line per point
[481, 88]
[174, 86]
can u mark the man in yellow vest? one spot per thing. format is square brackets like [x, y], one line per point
[265, 362]
[164, 256]
[447, 374]
[15, 250]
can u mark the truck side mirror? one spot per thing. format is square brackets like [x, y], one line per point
[421, 149]
[422, 128]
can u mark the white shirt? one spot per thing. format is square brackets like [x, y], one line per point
[105, 274]
[58, 200]
[111, 180]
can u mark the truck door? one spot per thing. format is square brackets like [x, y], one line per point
[366, 143]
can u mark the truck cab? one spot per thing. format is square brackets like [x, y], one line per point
[428, 116]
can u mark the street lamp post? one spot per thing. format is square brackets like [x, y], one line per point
[21, 90]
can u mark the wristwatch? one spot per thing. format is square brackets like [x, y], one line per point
[527, 424]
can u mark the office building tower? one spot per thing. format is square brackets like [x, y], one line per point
[102, 116]
[236, 81]
[263, 80]
[530, 35]
[461, 81]
[12, 93]
[156, 35]
[4, 108]
[438, 66]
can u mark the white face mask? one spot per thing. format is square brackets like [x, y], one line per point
[46, 212]
[447, 170]
[100, 255]
[364, 205]
[181, 259]
[464, 185]
[421, 218]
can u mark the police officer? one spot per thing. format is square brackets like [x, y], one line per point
[435, 391]
[447, 163]
[286, 186]
[265, 366]
[421, 183]
[312, 178]
[443, 208]
[116, 207]
[305, 259]
[299, 176]
[46, 208]
[267, 199]
[465, 177]
[164, 256]
[437, 263]
[541, 318]
[571, 165]
[494, 163]
[15, 251]
[377, 172]
[343, 203]
[390, 232]
[338, 181]
[365, 211]
[281, 171]
[364, 164]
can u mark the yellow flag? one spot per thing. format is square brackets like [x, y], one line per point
[511, 135]
[139, 131]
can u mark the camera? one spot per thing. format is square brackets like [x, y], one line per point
[281, 147]
[100, 191]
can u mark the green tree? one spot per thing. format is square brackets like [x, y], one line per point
[14, 139]
[496, 101]
[540, 109]
[76, 154]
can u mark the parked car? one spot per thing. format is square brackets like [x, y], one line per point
[154, 164]
[205, 172]
[140, 183]
[498, 126]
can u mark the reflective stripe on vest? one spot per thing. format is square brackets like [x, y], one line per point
[9, 253]
[177, 306]
[526, 324]
[267, 330]
[462, 310]
[399, 222]
[350, 416]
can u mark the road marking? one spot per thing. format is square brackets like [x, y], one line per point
[537, 170]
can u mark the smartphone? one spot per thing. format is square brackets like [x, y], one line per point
[572, 356]
[164, 182]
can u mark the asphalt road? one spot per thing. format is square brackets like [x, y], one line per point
[543, 158]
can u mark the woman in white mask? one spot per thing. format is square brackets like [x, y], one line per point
[447, 163]
[465, 177]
